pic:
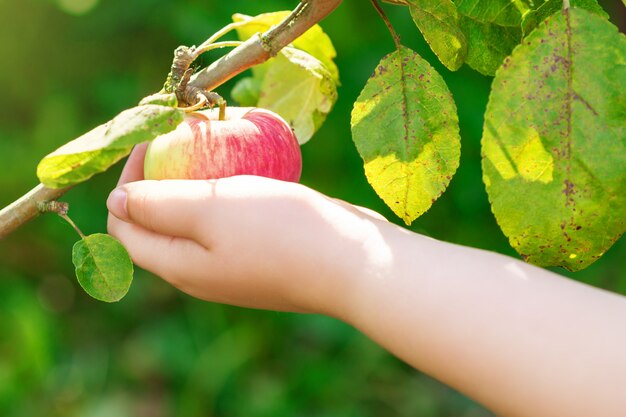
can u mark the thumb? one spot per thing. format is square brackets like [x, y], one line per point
[168, 207]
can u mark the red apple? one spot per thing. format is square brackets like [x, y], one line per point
[250, 141]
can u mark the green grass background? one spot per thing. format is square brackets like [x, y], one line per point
[68, 65]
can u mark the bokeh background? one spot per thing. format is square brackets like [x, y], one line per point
[69, 65]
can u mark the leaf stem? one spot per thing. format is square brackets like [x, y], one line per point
[565, 4]
[61, 208]
[223, 31]
[206, 48]
[381, 12]
[65, 217]
[202, 103]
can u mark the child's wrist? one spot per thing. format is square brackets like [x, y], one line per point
[329, 266]
[367, 264]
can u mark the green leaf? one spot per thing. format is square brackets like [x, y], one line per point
[488, 44]
[161, 99]
[438, 20]
[497, 12]
[100, 148]
[492, 30]
[299, 88]
[300, 84]
[534, 17]
[103, 267]
[314, 41]
[406, 129]
[554, 141]
[247, 91]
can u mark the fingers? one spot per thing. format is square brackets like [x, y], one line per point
[133, 170]
[168, 207]
[172, 258]
[184, 208]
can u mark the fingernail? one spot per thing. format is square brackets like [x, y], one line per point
[116, 203]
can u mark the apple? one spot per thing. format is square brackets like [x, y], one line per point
[250, 141]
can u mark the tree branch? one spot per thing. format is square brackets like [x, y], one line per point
[26, 208]
[254, 51]
[259, 49]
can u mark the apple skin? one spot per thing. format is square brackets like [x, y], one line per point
[251, 141]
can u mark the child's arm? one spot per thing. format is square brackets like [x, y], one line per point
[521, 340]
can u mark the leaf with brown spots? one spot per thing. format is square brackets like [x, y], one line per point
[554, 141]
[535, 17]
[492, 30]
[438, 20]
[406, 129]
[100, 148]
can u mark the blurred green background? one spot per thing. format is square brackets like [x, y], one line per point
[68, 65]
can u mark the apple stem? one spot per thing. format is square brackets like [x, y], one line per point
[222, 115]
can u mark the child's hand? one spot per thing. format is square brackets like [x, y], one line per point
[519, 339]
[247, 241]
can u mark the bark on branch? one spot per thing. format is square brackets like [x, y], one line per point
[26, 208]
[252, 52]
[259, 49]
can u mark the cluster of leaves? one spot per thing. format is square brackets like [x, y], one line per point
[554, 194]
[482, 33]
[554, 139]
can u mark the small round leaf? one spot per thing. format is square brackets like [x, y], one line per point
[103, 267]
